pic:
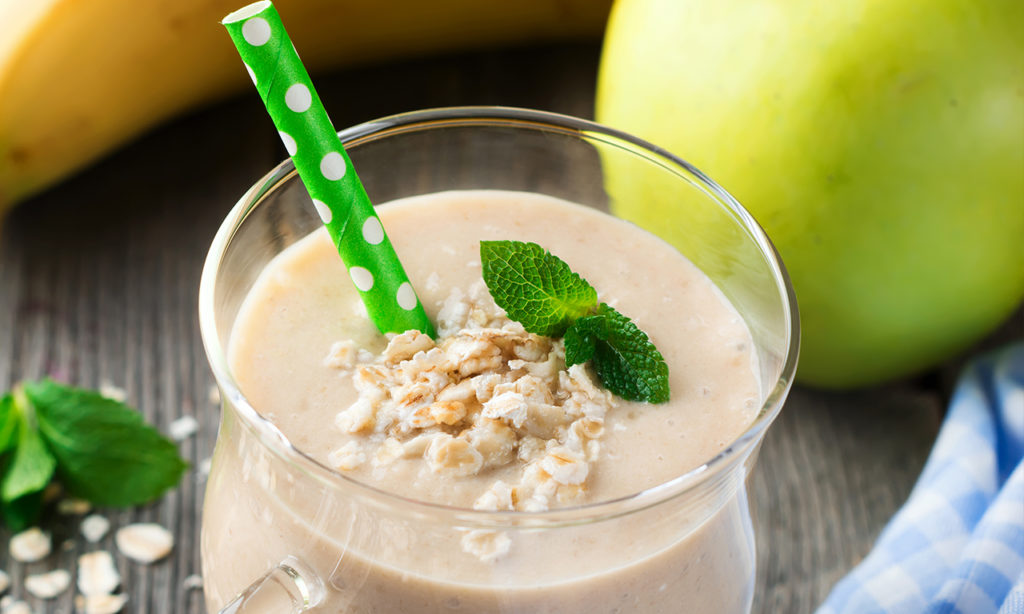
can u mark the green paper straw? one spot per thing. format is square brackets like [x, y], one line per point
[325, 168]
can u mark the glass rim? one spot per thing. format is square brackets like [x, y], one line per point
[274, 439]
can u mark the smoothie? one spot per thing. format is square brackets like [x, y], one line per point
[486, 417]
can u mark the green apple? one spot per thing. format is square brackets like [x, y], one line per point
[880, 143]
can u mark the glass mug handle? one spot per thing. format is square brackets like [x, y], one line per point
[291, 587]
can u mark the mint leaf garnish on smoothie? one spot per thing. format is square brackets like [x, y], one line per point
[625, 359]
[540, 291]
[534, 287]
[99, 449]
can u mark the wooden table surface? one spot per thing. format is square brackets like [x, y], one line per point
[99, 281]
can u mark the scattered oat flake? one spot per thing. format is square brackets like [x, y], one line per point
[52, 492]
[193, 582]
[183, 428]
[48, 585]
[213, 395]
[5, 581]
[15, 606]
[342, 355]
[488, 546]
[112, 392]
[204, 467]
[94, 527]
[144, 542]
[97, 574]
[100, 604]
[347, 457]
[30, 546]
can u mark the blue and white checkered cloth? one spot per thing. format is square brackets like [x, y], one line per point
[957, 545]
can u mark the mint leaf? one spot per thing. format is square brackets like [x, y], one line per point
[9, 419]
[626, 361]
[534, 287]
[26, 472]
[581, 340]
[541, 292]
[31, 467]
[105, 452]
[23, 512]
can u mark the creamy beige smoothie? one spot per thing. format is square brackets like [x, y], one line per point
[487, 417]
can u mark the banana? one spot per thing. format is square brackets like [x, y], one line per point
[80, 77]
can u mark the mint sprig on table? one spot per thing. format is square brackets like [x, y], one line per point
[540, 291]
[99, 449]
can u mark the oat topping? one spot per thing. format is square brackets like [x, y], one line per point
[30, 546]
[48, 585]
[485, 395]
[9, 605]
[100, 604]
[73, 507]
[112, 391]
[94, 528]
[500, 497]
[347, 457]
[487, 546]
[97, 574]
[342, 355]
[193, 582]
[144, 542]
[183, 428]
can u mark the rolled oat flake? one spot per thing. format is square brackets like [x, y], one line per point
[144, 542]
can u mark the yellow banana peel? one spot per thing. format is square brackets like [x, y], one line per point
[80, 77]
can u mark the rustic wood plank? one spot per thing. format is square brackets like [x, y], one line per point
[832, 470]
[99, 277]
[99, 284]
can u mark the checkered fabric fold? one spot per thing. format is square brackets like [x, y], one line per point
[957, 545]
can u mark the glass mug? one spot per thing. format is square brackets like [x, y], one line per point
[282, 532]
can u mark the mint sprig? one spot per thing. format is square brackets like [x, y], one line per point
[625, 359]
[8, 427]
[99, 449]
[535, 288]
[31, 467]
[540, 291]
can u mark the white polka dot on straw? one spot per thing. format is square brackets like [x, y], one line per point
[256, 31]
[289, 143]
[332, 166]
[323, 210]
[373, 232]
[298, 98]
[406, 297]
[362, 278]
[252, 75]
